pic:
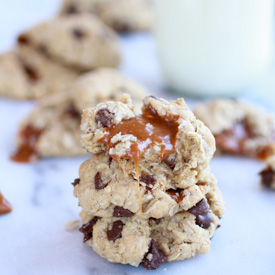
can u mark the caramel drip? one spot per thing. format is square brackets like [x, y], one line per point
[27, 149]
[176, 195]
[266, 152]
[232, 141]
[5, 206]
[148, 128]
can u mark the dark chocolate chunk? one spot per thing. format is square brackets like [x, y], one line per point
[171, 162]
[121, 27]
[157, 257]
[78, 33]
[31, 72]
[87, 229]
[104, 117]
[204, 221]
[76, 182]
[72, 112]
[23, 39]
[99, 184]
[115, 232]
[201, 208]
[72, 9]
[267, 177]
[122, 212]
[147, 179]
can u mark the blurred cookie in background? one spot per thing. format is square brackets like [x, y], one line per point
[52, 54]
[81, 42]
[120, 15]
[53, 128]
[239, 128]
[26, 74]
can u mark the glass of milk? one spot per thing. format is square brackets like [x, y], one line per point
[214, 47]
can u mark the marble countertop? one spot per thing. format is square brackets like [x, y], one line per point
[33, 238]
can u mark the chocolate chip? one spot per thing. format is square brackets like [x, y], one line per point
[201, 211]
[171, 162]
[156, 257]
[99, 184]
[78, 33]
[23, 39]
[104, 117]
[148, 180]
[121, 27]
[201, 208]
[122, 212]
[115, 232]
[76, 182]
[31, 72]
[267, 177]
[204, 221]
[72, 9]
[87, 229]
[72, 112]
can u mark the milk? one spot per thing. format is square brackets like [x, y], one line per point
[213, 47]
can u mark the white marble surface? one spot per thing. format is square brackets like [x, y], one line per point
[33, 238]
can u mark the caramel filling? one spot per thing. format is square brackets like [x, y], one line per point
[232, 141]
[148, 128]
[177, 195]
[5, 206]
[27, 149]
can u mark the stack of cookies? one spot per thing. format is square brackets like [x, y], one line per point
[147, 194]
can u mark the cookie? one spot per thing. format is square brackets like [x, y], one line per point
[128, 239]
[103, 85]
[5, 206]
[81, 42]
[268, 174]
[147, 194]
[194, 144]
[105, 189]
[53, 128]
[25, 74]
[239, 128]
[13, 77]
[49, 132]
[120, 15]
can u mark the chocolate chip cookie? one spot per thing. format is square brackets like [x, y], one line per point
[105, 84]
[147, 194]
[81, 42]
[239, 128]
[120, 15]
[53, 128]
